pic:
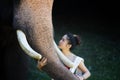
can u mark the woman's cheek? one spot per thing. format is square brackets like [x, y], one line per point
[59, 46]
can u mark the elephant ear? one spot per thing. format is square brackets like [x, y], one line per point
[63, 58]
[26, 47]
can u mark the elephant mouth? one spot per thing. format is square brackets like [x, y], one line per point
[32, 53]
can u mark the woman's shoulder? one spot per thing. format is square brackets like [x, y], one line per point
[79, 58]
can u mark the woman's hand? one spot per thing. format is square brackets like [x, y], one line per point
[42, 62]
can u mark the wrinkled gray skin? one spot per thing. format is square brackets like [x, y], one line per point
[34, 17]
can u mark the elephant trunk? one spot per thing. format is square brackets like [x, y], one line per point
[35, 19]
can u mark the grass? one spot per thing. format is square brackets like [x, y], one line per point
[101, 53]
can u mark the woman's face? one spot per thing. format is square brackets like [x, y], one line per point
[63, 43]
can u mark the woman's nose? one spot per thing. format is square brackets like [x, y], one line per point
[60, 41]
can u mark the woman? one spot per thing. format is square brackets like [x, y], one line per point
[66, 44]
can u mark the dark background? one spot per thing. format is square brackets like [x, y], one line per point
[88, 16]
[103, 13]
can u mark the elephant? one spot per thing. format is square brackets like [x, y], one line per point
[34, 19]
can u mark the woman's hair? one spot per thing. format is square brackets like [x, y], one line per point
[73, 39]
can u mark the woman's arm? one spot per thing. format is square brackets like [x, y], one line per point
[84, 69]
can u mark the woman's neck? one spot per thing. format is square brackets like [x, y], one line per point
[66, 52]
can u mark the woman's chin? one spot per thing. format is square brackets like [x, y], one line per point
[59, 47]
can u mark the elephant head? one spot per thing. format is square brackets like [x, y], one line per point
[34, 18]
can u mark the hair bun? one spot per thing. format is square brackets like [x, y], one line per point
[77, 38]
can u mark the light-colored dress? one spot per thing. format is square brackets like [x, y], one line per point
[75, 70]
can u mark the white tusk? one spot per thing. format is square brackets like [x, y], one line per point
[26, 47]
[64, 59]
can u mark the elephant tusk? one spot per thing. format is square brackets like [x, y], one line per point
[26, 47]
[64, 59]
